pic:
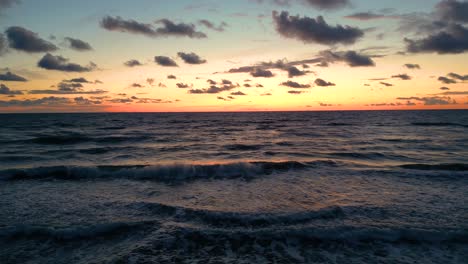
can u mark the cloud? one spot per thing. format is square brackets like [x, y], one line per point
[128, 26]
[7, 3]
[165, 61]
[451, 40]
[59, 63]
[257, 72]
[446, 80]
[323, 83]
[213, 89]
[171, 76]
[136, 85]
[451, 10]
[412, 66]
[238, 93]
[444, 88]
[183, 85]
[294, 71]
[220, 28]
[45, 101]
[292, 84]
[365, 16]
[4, 90]
[11, 77]
[191, 58]
[85, 101]
[172, 29]
[434, 100]
[78, 45]
[64, 92]
[25, 40]
[310, 30]
[69, 87]
[295, 92]
[3, 44]
[352, 58]
[386, 84]
[78, 80]
[133, 63]
[458, 76]
[328, 4]
[404, 77]
[455, 93]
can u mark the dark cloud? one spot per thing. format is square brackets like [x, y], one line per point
[213, 89]
[412, 66]
[64, 92]
[172, 29]
[458, 76]
[7, 3]
[257, 72]
[451, 10]
[322, 64]
[165, 61]
[352, 58]
[238, 93]
[3, 44]
[11, 77]
[59, 63]
[69, 87]
[150, 81]
[211, 82]
[78, 45]
[25, 40]
[365, 16]
[85, 101]
[451, 40]
[191, 58]
[220, 28]
[455, 93]
[294, 71]
[45, 101]
[444, 88]
[259, 85]
[4, 90]
[136, 85]
[433, 100]
[446, 80]
[295, 92]
[133, 63]
[128, 26]
[292, 84]
[386, 84]
[183, 85]
[78, 80]
[310, 30]
[323, 83]
[404, 76]
[328, 4]
[172, 77]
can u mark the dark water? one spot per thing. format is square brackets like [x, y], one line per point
[285, 187]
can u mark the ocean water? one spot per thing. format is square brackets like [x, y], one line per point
[276, 187]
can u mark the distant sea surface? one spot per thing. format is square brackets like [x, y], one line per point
[269, 187]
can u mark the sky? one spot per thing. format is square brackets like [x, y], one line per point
[244, 55]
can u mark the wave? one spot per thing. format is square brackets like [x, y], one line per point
[163, 173]
[438, 124]
[440, 167]
[343, 234]
[242, 147]
[368, 155]
[76, 138]
[230, 219]
[70, 233]
[339, 124]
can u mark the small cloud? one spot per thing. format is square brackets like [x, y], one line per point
[292, 84]
[220, 28]
[25, 40]
[412, 66]
[386, 84]
[257, 72]
[404, 77]
[136, 85]
[133, 63]
[59, 63]
[295, 92]
[191, 58]
[238, 93]
[446, 80]
[321, 82]
[78, 45]
[4, 90]
[183, 85]
[11, 77]
[165, 61]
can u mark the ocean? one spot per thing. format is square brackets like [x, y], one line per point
[260, 187]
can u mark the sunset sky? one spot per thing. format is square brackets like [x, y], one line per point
[244, 55]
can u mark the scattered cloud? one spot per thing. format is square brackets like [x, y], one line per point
[452, 40]
[297, 85]
[323, 83]
[11, 77]
[365, 16]
[257, 72]
[314, 30]
[59, 63]
[433, 100]
[191, 58]
[446, 80]
[183, 85]
[386, 84]
[45, 101]
[352, 58]
[25, 40]
[458, 76]
[165, 61]
[78, 45]
[133, 63]
[4, 90]
[171, 76]
[238, 93]
[404, 77]
[208, 24]
[295, 92]
[412, 66]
